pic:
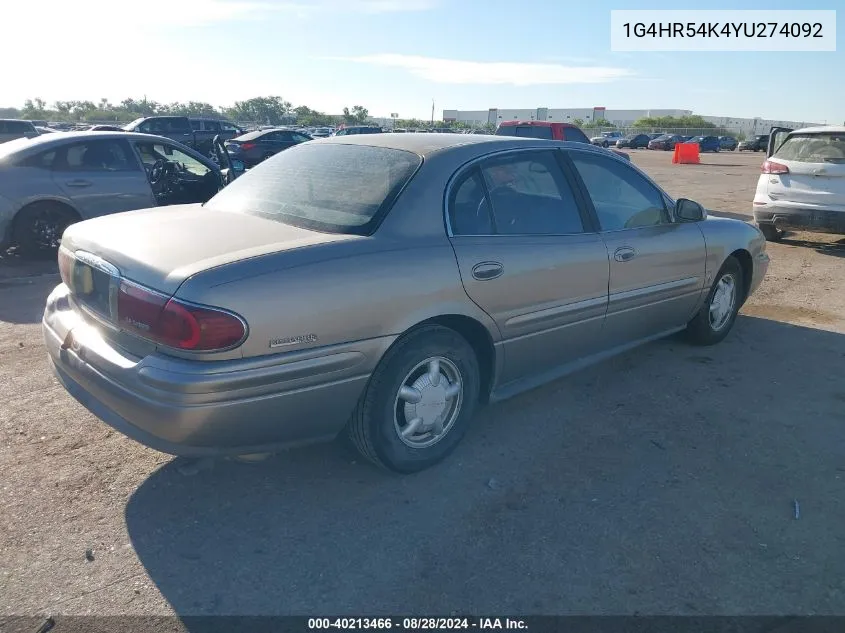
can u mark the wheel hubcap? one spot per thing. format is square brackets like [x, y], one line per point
[723, 301]
[428, 403]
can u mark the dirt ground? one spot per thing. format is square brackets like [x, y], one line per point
[670, 480]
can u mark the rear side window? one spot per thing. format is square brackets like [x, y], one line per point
[574, 134]
[526, 131]
[813, 148]
[102, 156]
[530, 196]
[19, 127]
[332, 188]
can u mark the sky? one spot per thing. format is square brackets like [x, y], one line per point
[396, 56]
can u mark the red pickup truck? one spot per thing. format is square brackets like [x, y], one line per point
[548, 130]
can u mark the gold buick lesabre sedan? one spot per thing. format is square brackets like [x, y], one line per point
[383, 286]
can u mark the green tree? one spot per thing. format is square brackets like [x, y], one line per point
[357, 116]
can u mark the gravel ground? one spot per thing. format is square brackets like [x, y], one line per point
[662, 481]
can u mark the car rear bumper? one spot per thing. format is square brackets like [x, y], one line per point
[800, 218]
[206, 408]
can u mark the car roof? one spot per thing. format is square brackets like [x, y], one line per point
[64, 137]
[835, 129]
[427, 144]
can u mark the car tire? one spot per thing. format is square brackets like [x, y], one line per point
[771, 232]
[717, 315]
[38, 228]
[380, 423]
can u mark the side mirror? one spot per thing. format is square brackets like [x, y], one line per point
[689, 211]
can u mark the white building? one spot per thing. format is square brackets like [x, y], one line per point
[561, 115]
[619, 118]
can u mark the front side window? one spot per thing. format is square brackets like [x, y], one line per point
[153, 152]
[333, 188]
[622, 198]
[211, 126]
[529, 195]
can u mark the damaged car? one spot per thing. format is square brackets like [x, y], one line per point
[50, 182]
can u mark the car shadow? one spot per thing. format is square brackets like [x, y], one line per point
[597, 483]
[22, 300]
[834, 249]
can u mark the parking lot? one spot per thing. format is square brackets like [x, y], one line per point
[671, 479]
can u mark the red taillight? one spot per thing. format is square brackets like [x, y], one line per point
[65, 265]
[245, 146]
[771, 167]
[174, 323]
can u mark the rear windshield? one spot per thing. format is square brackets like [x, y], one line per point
[813, 148]
[333, 188]
[526, 131]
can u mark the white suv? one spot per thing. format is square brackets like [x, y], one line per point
[803, 182]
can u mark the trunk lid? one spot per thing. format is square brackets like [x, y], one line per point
[162, 247]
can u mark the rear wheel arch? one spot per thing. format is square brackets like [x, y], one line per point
[50, 201]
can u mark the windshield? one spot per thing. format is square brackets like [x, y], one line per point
[663, 137]
[812, 148]
[129, 126]
[333, 188]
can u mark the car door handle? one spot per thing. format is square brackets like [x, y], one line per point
[624, 254]
[78, 183]
[484, 271]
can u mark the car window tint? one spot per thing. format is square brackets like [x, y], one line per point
[300, 138]
[530, 195]
[335, 188]
[42, 160]
[95, 156]
[813, 148]
[196, 125]
[211, 126]
[574, 134]
[622, 198]
[227, 127]
[469, 210]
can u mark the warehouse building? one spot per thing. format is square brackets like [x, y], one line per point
[619, 118]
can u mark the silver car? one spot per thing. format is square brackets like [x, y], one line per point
[49, 182]
[382, 284]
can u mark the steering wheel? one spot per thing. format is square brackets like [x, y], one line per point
[157, 171]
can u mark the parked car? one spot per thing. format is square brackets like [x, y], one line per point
[665, 142]
[105, 128]
[728, 143]
[322, 132]
[635, 141]
[547, 130]
[195, 133]
[706, 143]
[359, 129]
[757, 143]
[11, 129]
[52, 181]
[254, 147]
[606, 139]
[293, 318]
[44, 130]
[802, 184]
